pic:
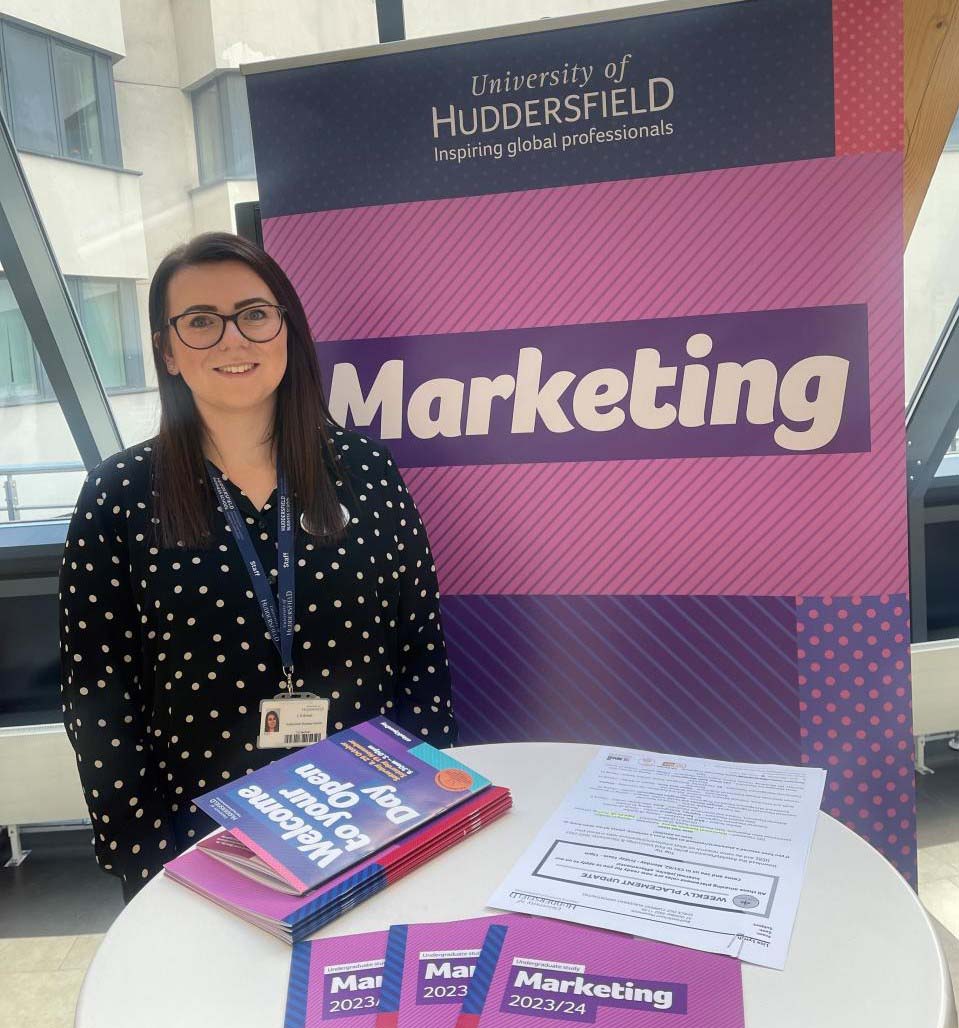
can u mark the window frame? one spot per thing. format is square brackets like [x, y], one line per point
[104, 88]
[227, 112]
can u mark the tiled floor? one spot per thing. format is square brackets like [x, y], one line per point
[950, 945]
[55, 909]
[937, 799]
[40, 979]
[939, 883]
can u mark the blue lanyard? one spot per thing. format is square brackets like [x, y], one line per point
[279, 623]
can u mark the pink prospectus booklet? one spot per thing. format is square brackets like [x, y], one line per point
[536, 971]
[336, 981]
[428, 971]
[231, 887]
[314, 814]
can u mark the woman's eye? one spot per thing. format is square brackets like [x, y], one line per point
[200, 321]
[254, 314]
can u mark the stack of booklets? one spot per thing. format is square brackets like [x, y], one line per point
[318, 831]
[500, 971]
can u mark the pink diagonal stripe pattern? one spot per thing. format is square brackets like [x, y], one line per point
[619, 251]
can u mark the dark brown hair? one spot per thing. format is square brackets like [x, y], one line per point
[183, 499]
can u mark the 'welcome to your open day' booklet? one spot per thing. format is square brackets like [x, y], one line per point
[311, 815]
[293, 918]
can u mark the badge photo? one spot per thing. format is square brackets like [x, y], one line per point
[289, 721]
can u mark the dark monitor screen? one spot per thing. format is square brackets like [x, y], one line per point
[29, 658]
[248, 221]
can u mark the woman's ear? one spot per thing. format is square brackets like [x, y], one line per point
[168, 359]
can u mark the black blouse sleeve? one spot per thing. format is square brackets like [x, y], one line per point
[424, 695]
[104, 709]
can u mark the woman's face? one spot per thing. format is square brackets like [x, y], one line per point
[236, 374]
[272, 722]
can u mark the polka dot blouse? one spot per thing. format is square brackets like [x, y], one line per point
[166, 657]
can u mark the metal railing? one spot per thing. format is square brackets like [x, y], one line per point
[11, 503]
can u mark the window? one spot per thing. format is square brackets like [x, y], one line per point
[224, 139]
[107, 311]
[931, 269]
[19, 378]
[59, 98]
[952, 140]
[77, 104]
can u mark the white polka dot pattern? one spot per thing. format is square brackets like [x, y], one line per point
[165, 656]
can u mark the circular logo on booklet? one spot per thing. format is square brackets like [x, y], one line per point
[453, 779]
[745, 901]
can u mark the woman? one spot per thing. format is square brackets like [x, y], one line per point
[192, 599]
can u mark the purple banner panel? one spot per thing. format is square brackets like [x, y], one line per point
[709, 676]
[856, 712]
[764, 382]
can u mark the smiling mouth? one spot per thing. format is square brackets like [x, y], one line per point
[237, 369]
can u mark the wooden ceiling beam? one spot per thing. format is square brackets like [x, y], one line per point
[931, 94]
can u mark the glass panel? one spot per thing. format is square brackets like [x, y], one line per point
[952, 143]
[931, 267]
[18, 370]
[31, 90]
[106, 95]
[241, 132]
[211, 157]
[99, 311]
[40, 467]
[77, 97]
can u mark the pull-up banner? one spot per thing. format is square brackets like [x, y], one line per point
[622, 294]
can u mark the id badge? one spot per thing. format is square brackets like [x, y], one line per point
[287, 721]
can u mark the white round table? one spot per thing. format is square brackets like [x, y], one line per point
[864, 953]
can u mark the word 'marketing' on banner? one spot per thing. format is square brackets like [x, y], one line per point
[623, 296]
[631, 389]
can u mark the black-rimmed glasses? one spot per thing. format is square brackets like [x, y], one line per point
[202, 329]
